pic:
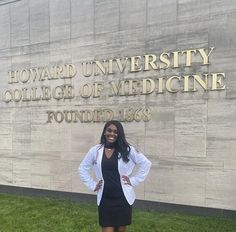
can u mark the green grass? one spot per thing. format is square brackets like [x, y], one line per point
[31, 214]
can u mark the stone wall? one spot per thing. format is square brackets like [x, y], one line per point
[191, 135]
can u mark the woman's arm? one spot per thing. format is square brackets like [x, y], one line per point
[85, 167]
[144, 166]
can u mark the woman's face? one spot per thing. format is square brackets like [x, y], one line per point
[111, 134]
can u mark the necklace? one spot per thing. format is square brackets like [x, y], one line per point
[109, 146]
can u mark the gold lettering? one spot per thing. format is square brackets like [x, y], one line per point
[85, 69]
[186, 84]
[176, 59]
[46, 93]
[87, 116]
[68, 115]
[24, 75]
[59, 116]
[17, 95]
[45, 74]
[110, 67]
[108, 114]
[68, 91]
[35, 74]
[25, 96]
[169, 84]
[150, 59]
[160, 85]
[57, 72]
[120, 65]
[98, 87]
[115, 90]
[135, 64]
[197, 78]
[189, 56]
[7, 97]
[34, 96]
[70, 71]
[99, 67]
[164, 59]
[79, 115]
[50, 116]
[12, 77]
[86, 90]
[132, 87]
[217, 81]
[204, 55]
[148, 86]
[57, 93]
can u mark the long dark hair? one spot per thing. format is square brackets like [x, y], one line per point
[122, 146]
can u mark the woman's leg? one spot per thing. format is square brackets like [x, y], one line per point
[108, 229]
[120, 229]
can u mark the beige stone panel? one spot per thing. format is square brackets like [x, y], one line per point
[40, 138]
[193, 10]
[190, 128]
[21, 137]
[60, 137]
[72, 156]
[21, 115]
[191, 162]
[50, 138]
[221, 112]
[60, 20]
[21, 172]
[60, 55]
[39, 21]
[194, 35]
[61, 175]
[161, 39]
[104, 10]
[189, 186]
[6, 141]
[217, 151]
[19, 23]
[6, 136]
[159, 185]
[6, 171]
[82, 18]
[84, 136]
[221, 189]
[5, 67]
[40, 167]
[39, 115]
[40, 181]
[6, 117]
[165, 16]
[132, 14]
[135, 135]
[219, 8]
[140, 191]
[159, 131]
[221, 136]
[5, 25]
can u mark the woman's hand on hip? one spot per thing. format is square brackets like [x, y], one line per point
[126, 180]
[98, 186]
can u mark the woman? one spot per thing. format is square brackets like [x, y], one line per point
[113, 161]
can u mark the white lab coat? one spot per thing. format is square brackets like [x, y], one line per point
[93, 160]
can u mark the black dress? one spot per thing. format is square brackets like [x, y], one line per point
[114, 210]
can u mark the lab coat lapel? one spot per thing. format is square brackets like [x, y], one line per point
[99, 158]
